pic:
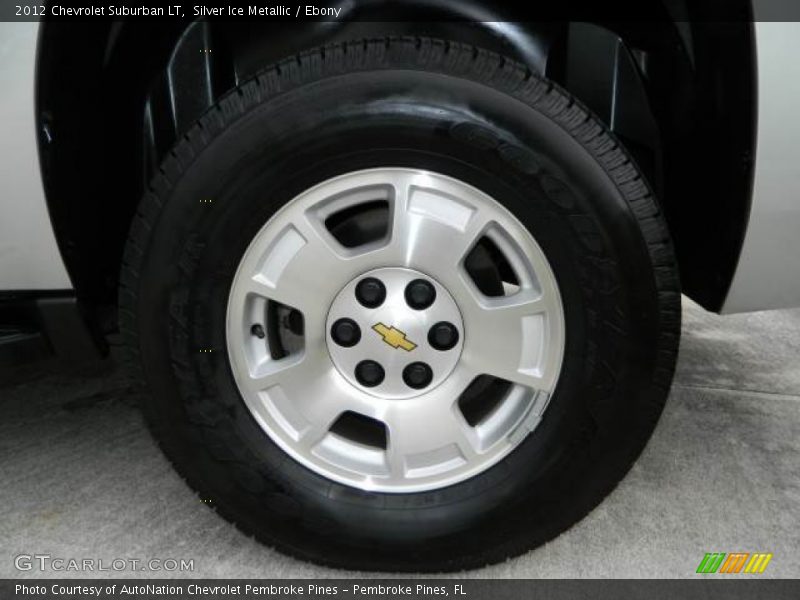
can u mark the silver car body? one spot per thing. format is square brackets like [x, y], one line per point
[29, 255]
[768, 273]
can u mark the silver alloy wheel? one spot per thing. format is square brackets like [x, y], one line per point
[300, 384]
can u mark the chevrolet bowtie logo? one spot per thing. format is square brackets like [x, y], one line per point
[394, 337]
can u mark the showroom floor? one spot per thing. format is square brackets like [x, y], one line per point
[80, 476]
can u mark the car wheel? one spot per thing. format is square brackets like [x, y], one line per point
[401, 305]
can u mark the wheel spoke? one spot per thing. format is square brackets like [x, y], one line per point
[305, 390]
[292, 372]
[426, 439]
[431, 227]
[506, 336]
[300, 269]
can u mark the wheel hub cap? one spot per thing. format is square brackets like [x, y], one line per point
[394, 334]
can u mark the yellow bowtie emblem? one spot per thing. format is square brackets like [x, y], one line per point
[394, 337]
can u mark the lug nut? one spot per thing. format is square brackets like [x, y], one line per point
[346, 332]
[370, 292]
[420, 294]
[417, 375]
[443, 336]
[369, 373]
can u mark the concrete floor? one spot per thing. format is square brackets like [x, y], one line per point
[80, 476]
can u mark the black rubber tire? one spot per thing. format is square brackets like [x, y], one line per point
[463, 112]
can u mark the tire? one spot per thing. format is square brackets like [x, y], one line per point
[473, 117]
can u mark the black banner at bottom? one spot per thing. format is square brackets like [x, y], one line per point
[386, 589]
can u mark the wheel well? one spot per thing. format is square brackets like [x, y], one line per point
[680, 95]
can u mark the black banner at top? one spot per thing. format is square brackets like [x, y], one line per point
[406, 10]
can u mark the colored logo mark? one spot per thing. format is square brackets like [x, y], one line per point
[735, 562]
[394, 337]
